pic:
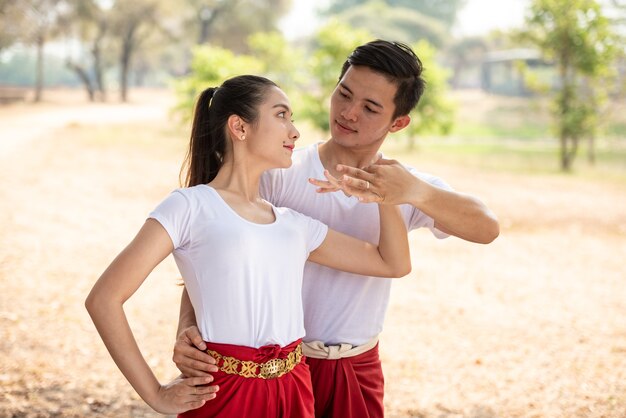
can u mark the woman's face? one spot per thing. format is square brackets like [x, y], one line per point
[273, 137]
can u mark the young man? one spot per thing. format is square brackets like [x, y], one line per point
[379, 85]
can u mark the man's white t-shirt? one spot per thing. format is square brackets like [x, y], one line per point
[244, 279]
[339, 307]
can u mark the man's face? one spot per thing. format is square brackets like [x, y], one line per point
[361, 109]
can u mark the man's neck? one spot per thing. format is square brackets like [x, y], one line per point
[331, 154]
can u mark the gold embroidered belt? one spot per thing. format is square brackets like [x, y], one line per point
[271, 369]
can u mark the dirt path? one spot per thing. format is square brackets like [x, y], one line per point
[529, 326]
[25, 122]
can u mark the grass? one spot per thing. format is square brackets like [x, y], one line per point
[514, 135]
[513, 156]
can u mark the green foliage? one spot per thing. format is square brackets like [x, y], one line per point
[396, 23]
[280, 62]
[333, 44]
[228, 24]
[444, 11]
[434, 112]
[210, 66]
[10, 21]
[578, 38]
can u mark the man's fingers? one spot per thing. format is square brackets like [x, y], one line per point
[192, 334]
[183, 351]
[323, 186]
[192, 367]
[364, 195]
[355, 183]
[199, 343]
[202, 364]
[354, 172]
[384, 161]
[335, 182]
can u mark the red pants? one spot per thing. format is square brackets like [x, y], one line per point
[351, 387]
[287, 396]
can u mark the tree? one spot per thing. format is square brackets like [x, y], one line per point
[398, 22]
[37, 23]
[280, 61]
[332, 45]
[210, 66]
[444, 11]
[10, 21]
[576, 36]
[271, 56]
[434, 113]
[88, 20]
[132, 23]
[229, 23]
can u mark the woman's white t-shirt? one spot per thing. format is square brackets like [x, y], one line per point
[244, 279]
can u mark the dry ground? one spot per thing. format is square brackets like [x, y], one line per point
[533, 325]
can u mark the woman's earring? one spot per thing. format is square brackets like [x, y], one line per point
[243, 137]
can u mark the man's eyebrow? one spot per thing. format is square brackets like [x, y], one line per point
[374, 102]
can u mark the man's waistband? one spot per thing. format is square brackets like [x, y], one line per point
[317, 349]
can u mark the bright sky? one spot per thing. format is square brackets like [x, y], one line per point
[476, 18]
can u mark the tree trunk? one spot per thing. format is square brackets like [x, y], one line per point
[206, 18]
[124, 69]
[39, 81]
[591, 150]
[84, 78]
[96, 51]
[565, 157]
[127, 51]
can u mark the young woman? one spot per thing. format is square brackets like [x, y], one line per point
[241, 260]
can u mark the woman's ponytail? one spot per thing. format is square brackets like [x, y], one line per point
[206, 152]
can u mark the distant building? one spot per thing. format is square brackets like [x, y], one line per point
[507, 72]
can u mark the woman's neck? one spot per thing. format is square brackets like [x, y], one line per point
[238, 185]
[238, 179]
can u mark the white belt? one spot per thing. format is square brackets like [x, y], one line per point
[317, 349]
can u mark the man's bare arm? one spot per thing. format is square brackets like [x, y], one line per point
[189, 354]
[388, 182]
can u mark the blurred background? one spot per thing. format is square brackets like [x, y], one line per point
[524, 108]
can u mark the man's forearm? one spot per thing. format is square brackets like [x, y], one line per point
[458, 214]
[187, 316]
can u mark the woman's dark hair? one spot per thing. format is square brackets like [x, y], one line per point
[398, 63]
[242, 96]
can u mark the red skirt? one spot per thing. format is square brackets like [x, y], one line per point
[287, 396]
[351, 387]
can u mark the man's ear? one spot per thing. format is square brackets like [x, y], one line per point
[399, 123]
[236, 127]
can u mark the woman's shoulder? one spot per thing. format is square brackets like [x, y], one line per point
[187, 198]
[197, 192]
